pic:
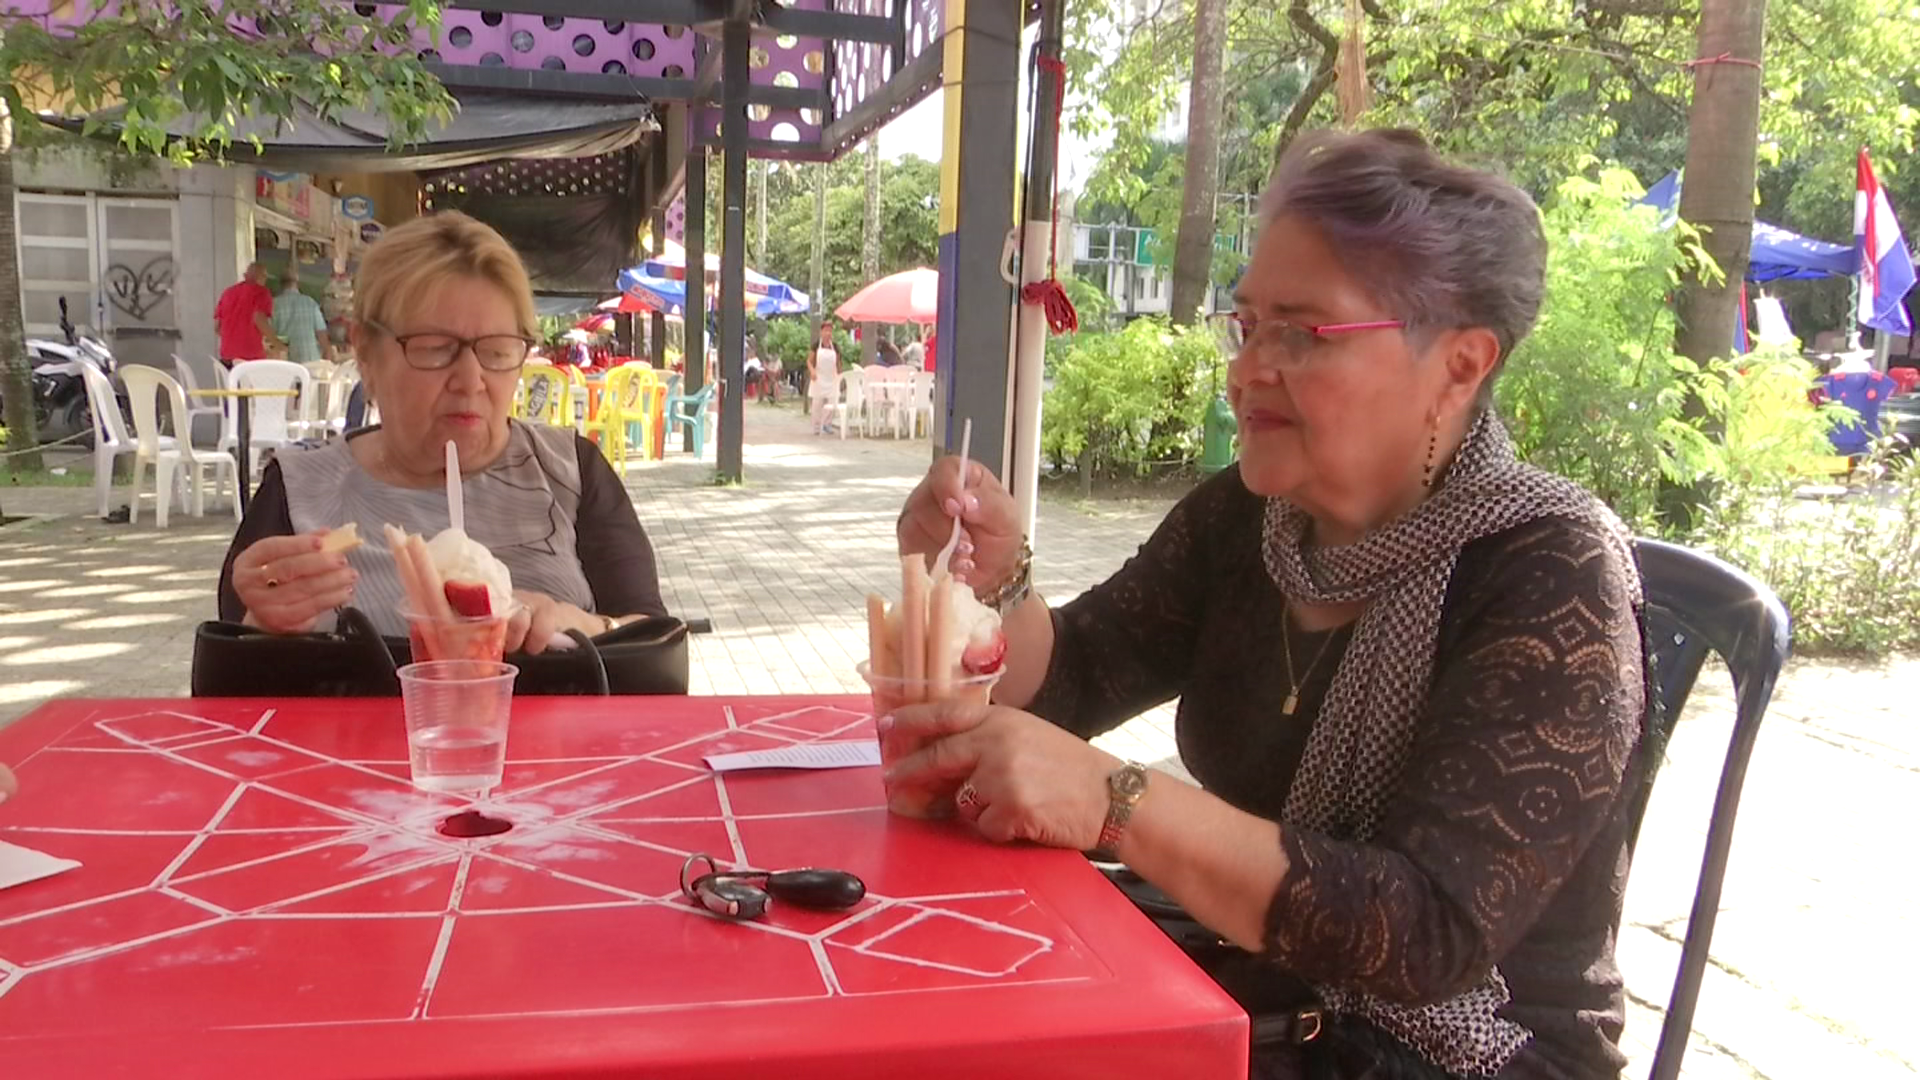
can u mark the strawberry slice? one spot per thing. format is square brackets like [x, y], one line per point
[985, 657]
[469, 598]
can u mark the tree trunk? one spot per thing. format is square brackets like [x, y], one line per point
[1193, 250]
[17, 374]
[817, 272]
[1723, 132]
[870, 246]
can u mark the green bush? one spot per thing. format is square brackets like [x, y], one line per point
[1126, 401]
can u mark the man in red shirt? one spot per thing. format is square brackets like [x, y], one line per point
[244, 317]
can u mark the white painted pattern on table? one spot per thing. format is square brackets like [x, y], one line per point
[397, 837]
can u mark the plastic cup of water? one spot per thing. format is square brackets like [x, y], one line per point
[893, 692]
[459, 637]
[456, 713]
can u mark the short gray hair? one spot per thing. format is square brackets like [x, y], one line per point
[1444, 246]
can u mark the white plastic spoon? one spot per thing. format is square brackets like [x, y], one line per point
[946, 553]
[456, 509]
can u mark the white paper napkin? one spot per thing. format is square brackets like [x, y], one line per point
[20, 865]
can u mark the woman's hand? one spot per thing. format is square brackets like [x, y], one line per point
[1033, 781]
[541, 617]
[990, 535]
[8, 785]
[287, 582]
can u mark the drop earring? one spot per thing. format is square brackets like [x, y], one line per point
[1433, 448]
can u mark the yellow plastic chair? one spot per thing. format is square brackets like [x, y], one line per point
[545, 396]
[626, 403]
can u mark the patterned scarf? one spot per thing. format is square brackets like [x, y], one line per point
[1358, 747]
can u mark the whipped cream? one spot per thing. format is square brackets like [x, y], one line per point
[459, 557]
[970, 623]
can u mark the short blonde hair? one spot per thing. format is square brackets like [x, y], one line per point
[403, 266]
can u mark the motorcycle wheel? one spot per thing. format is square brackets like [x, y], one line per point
[75, 416]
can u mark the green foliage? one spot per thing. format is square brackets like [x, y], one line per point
[174, 80]
[1595, 394]
[909, 222]
[1127, 401]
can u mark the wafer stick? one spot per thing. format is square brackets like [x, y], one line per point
[403, 565]
[429, 578]
[939, 639]
[879, 640]
[913, 625]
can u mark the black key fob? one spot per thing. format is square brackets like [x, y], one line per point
[828, 890]
[734, 899]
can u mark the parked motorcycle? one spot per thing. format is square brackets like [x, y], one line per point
[61, 406]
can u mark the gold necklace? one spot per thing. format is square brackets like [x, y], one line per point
[1286, 646]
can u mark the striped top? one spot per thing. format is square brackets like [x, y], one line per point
[297, 319]
[525, 508]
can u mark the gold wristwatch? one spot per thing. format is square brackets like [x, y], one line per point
[1125, 786]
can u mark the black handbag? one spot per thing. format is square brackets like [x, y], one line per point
[1291, 1037]
[646, 656]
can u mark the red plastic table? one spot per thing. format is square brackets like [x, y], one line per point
[264, 893]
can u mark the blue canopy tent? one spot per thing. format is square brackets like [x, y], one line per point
[660, 284]
[1777, 254]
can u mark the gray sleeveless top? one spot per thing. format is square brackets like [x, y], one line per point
[524, 509]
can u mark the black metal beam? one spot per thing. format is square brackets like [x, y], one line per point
[908, 86]
[831, 25]
[657, 175]
[695, 322]
[592, 85]
[706, 73]
[663, 12]
[733, 249]
[897, 47]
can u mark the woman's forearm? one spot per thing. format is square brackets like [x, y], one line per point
[1029, 630]
[1221, 864]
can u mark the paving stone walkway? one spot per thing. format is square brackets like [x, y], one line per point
[1817, 937]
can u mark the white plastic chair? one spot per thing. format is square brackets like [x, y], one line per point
[346, 376]
[189, 382]
[311, 409]
[922, 383]
[849, 401]
[893, 405]
[168, 455]
[110, 438]
[271, 427]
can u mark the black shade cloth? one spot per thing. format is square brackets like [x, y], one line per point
[488, 126]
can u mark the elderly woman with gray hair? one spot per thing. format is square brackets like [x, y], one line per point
[1411, 669]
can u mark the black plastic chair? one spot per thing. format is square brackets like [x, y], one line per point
[1697, 605]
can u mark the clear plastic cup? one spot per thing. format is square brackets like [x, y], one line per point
[893, 692]
[456, 713]
[459, 637]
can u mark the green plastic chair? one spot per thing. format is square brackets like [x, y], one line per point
[690, 411]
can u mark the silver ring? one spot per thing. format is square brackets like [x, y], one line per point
[967, 801]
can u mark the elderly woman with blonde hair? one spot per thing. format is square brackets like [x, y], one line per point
[443, 319]
[1411, 669]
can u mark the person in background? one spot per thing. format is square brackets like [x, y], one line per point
[932, 340]
[889, 355]
[243, 317]
[298, 320]
[914, 355]
[824, 383]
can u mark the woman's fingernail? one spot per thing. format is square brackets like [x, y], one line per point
[884, 724]
[952, 507]
[973, 504]
[964, 548]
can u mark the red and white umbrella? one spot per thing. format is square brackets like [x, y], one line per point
[910, 296]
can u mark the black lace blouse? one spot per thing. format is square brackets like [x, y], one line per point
[1505, 843]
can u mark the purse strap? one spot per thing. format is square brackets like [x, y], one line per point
[589, 655]
[353, 624]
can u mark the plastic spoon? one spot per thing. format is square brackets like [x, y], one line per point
[946, 553]
[456, 510]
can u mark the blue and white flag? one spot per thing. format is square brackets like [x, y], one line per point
[1886, 267]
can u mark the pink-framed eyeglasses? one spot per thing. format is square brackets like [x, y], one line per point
[1293, 342]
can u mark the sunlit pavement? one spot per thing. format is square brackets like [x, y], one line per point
[1817, 936]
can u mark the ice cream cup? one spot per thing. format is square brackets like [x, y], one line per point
[892, 692]
[459, 637]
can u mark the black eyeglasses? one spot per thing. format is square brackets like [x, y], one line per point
[432, 352]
